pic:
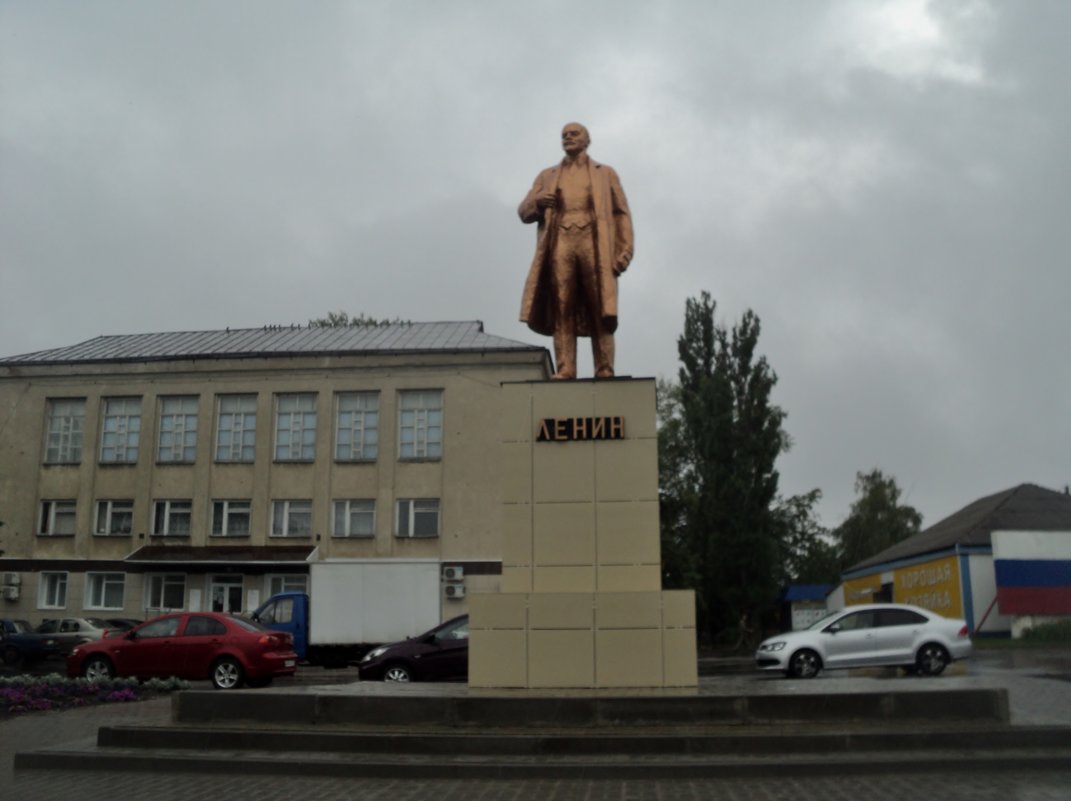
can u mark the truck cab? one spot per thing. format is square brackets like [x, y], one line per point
[289, 612]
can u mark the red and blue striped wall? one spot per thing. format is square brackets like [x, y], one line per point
[1033, 586]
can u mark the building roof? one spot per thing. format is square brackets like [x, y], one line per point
[279, 341]
[226, 554]
[807, 592]
[1027, 507]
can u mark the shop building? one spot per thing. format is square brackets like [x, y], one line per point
[1002, 563]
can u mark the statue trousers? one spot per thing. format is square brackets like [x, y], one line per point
[575, 281]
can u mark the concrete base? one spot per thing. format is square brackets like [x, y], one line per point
[581, 602]
[422, 733]
[414, 707]
[582, 640]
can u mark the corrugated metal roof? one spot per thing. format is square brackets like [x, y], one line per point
[279, 341]
[1027, 507]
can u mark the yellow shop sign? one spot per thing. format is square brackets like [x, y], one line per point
[932, 585]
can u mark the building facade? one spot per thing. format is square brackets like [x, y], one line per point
[206, 470]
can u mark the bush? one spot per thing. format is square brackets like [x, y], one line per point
[1057, 631]
[21, 694]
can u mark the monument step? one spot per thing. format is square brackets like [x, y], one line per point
[649, 742]
[429, 707]
[557, 766]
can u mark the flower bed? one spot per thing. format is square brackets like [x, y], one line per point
[22, 694]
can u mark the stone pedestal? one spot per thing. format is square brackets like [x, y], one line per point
[581, 603]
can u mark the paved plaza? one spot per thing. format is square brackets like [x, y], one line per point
[1039, 686]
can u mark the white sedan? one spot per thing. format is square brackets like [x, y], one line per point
[868, 636]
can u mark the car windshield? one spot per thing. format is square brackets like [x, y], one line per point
[454, 630]
[824, 620]
[97, 622]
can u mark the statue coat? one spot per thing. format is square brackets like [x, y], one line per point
[613, 247]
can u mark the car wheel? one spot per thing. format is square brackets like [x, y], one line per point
[98, 667]
[227, 674]
[12, 656]
[932, 659]
[397, 673]
[804, 664]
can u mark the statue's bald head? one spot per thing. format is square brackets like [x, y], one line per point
[575, 138]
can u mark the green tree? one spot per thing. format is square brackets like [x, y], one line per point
[811, 556]
[675, 491]
[720, 436]
[341, 319]
[876, 520]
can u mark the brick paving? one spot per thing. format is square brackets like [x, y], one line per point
[109, 786]
[1038, 695]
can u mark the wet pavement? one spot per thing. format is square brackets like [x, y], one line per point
[1037, 681]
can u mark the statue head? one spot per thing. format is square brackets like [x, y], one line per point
[575, 138]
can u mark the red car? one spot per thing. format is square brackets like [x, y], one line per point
[226, 649]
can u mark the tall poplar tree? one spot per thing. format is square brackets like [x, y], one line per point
[720, 438]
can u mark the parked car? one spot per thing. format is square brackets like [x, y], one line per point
[20, 645]
[71, 631]
[9, 626]
[441, 654]
[867, 636]
[228, 650]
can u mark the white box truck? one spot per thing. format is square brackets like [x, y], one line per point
[354, 605]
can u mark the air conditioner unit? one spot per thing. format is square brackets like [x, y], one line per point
[453, 573]
[455, 591]
[11, 593]
[12, 580]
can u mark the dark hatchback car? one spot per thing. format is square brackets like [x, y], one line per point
[228, 650]
[21, 646]
[441, 654]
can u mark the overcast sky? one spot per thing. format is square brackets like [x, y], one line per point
[886, 183]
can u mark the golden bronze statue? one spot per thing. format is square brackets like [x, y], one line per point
[584, 243]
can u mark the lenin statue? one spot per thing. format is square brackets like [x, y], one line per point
[584, 243]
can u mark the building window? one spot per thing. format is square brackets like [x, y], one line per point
[287, 582]
[357, 429]
[104, 590]
[418, 517]
[66, 424]
[420, 425]
[354, 519]
[165, 592]
[236, 437]
[178, 430]
[230, 518]
[291, 519]
[122, 427]
[172, 518]
[114, 518]
[52, 591]
[295, 428]
[57, 518]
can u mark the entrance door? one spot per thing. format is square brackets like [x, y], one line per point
[226, 594]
